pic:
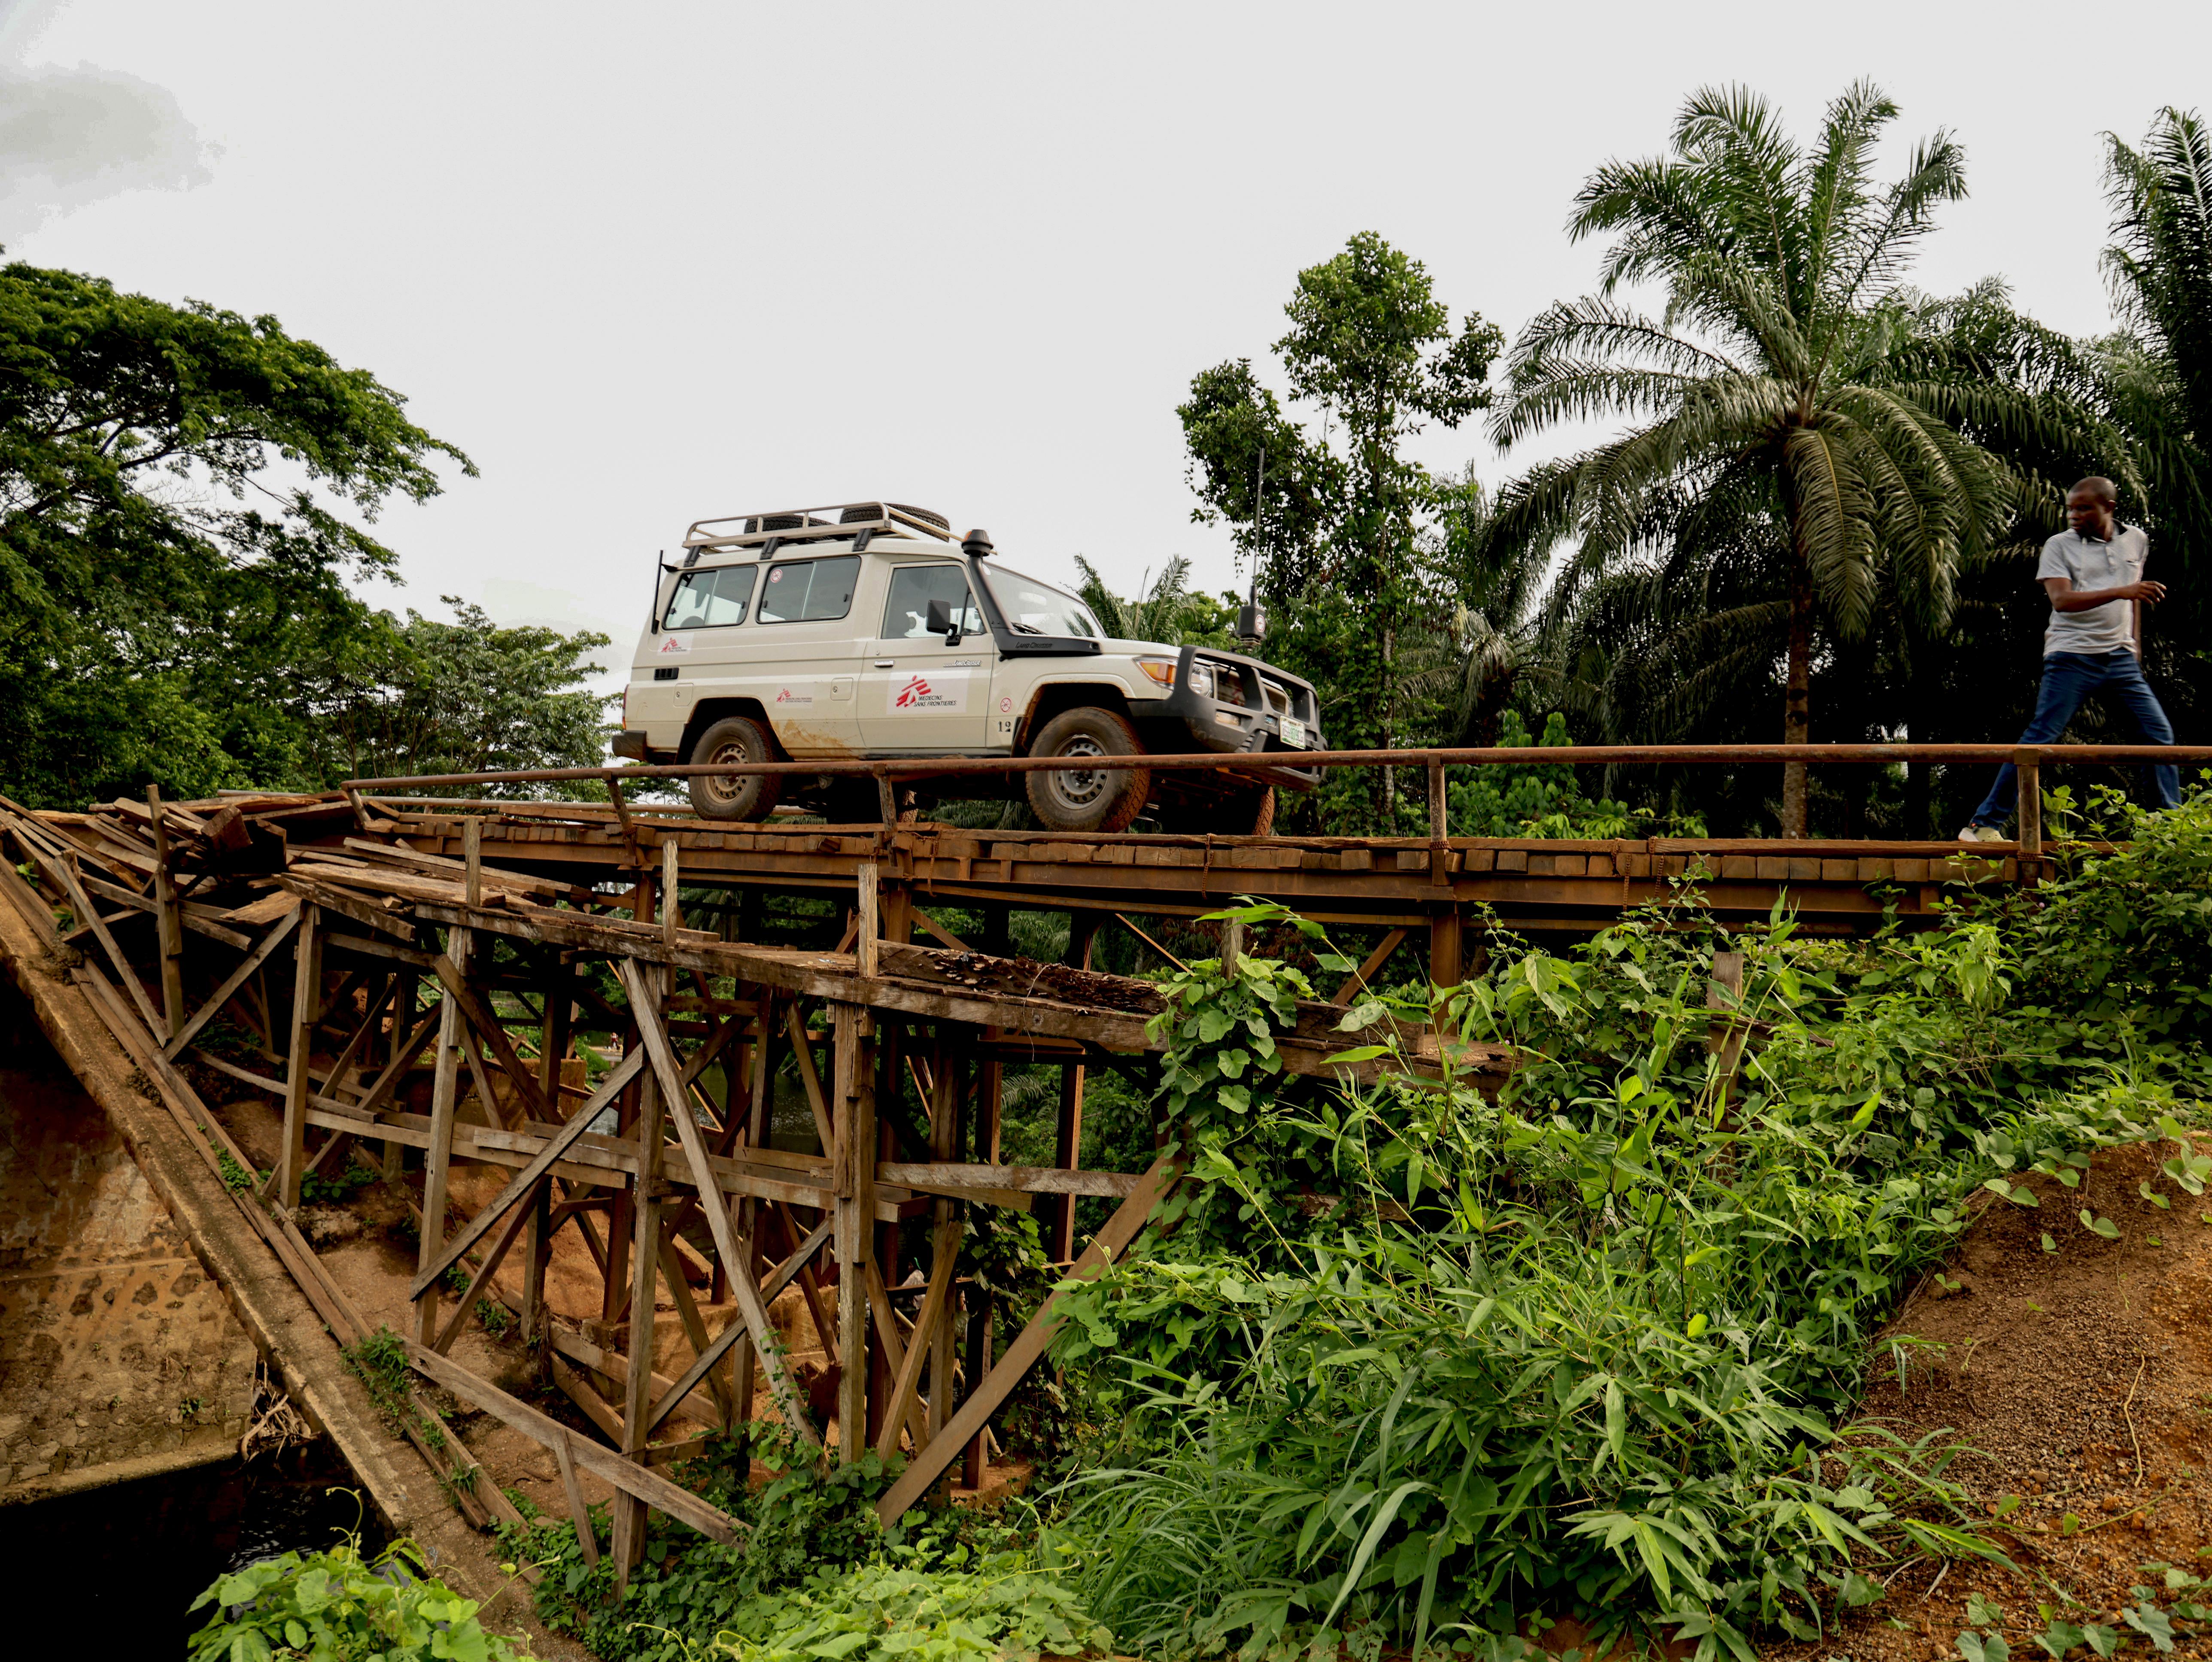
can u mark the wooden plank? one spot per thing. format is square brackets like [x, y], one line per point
[169, 915]
[1022, 1355]
[809, 1078]
[625, 1475]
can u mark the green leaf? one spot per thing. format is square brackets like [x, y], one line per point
[1368, 1543]
[2153, 1623]
[2059, 1638]
[1976, 1647]
[2102, 1226]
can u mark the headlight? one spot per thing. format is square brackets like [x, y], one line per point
[1202, 680]
[1161, 670]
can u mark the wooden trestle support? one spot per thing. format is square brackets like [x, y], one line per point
[347, 971]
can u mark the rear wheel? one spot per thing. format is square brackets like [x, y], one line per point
[741, 797]
[1108, 799]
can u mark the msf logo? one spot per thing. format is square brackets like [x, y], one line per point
[911, 695]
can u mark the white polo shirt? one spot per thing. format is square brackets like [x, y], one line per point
[2091, 564]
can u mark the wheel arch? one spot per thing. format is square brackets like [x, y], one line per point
[1054, 696]
[712, 710]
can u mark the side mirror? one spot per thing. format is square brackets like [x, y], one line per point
[941, 621]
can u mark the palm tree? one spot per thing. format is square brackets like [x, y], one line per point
[1160, 611]
[2159, 369]
[1766, 400]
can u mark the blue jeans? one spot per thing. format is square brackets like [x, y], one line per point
[2069, 678]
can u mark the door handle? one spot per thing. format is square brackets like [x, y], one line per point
[886, 663]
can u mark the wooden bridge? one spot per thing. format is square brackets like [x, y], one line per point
[506, 1011]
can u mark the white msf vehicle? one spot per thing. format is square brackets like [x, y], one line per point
[863, 631]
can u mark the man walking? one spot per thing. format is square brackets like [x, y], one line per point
[2093, 572]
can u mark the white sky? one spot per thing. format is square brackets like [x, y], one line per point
[655, 263]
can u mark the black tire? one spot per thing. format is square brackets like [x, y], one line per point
[851, 802]
[1105, 801]
[747, 795]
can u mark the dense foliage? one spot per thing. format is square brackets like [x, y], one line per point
[186, 497]
[1409, 1363]
[339, 1603]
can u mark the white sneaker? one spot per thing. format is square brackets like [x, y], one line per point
[1981, 833]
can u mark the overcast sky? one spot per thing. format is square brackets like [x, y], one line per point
[651, 264]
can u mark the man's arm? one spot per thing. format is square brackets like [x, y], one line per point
[2065, 597]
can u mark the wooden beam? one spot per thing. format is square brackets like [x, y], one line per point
[485, 1270]
[735, 1263]
[254, 959]
[925, 1329]
[1022, 1355]
[437, 1264]
[627, 1476]
[853, 1148]
[168, 914]
[1375, 960]
[586, 1539]
[786, 1273]
[651, 1132]
[809, 1078]
[444, 1093]
[307, 1000]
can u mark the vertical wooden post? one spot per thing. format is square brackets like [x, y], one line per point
[2031, 805]
[1446, 965]
[537, 1244]
[438, 1157]
[1725, 992]
[672, 917]
[1067, 1144]
[945, 1233]
[868, 946]
[403, 1024]
[472, 866]
[853, 1102]
[1439, 827]
[299, 1083]
[745, 1366]
[990, 1080]
[645, 1262]
[169, 921]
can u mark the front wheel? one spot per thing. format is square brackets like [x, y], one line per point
[739, 796]
[1106, 799]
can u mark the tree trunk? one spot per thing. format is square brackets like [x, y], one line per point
[1797, 706]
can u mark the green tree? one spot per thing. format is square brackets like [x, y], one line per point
[1340, 537]
[183, 493]
[466, 697]
[1776, 409]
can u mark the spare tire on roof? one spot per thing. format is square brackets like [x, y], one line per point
[862, 515]
[924, 516]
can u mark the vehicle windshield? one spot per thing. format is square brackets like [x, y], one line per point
[1034, 608]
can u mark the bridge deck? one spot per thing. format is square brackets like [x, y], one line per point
[1530, 884]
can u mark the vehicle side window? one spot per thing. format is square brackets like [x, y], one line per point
[711, 599]
[906, 614]
[809, 591]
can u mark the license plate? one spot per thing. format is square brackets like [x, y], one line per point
[1294, 733]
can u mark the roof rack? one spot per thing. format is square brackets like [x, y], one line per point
[838, 522]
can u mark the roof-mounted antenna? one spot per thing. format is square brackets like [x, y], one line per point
[1251, 621]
